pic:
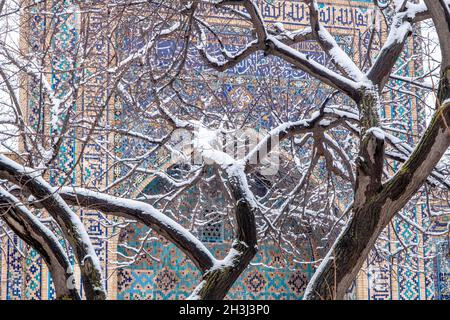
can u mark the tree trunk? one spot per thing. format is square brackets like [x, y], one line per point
[371, 216]
[218, 281]
[36, 235]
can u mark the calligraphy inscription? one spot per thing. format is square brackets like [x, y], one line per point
[294, 12]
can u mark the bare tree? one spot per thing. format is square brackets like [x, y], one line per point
[184, 142]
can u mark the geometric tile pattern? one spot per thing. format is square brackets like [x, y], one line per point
[24, 275]
[174, 277]
[264, 281]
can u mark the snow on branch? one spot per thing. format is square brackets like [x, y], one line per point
[147, 214]
[30, 229]
[70, 223]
